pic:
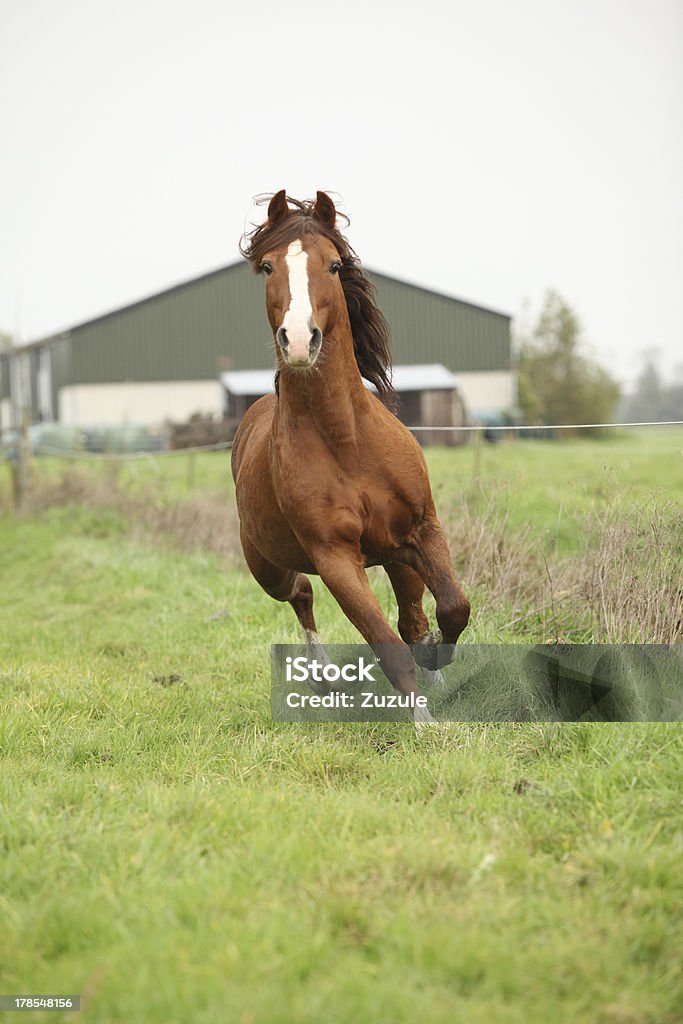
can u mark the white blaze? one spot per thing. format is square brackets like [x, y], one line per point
[299, 317]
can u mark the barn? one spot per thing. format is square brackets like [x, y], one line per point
[163, 356]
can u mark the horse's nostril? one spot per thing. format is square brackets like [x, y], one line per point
[316, 338]
[282, 339]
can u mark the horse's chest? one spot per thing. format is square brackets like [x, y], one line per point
[376, 517]
[337, 500]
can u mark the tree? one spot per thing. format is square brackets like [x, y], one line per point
[652, 400]
[556, 382]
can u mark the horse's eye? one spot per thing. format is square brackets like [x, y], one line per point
[267, 269]
[335, 268]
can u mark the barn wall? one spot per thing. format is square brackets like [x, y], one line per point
[5, 414]
[144, 403]
[437, 408]
[494, 391]
[191, 332]
[430, 328]
[5, 393]
[442, 408]
[14, 365]
[60, 366]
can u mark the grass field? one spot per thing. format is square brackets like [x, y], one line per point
[173, 855]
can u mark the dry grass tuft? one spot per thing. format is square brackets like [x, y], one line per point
[630, 574]
[490, 555]
[207, 520]
[624, 586]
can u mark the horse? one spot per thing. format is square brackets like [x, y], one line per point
[328, 480]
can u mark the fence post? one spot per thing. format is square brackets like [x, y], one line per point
[191, 470]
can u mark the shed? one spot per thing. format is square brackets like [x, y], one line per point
[429, 396]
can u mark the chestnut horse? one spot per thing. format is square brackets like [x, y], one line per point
[328, 481]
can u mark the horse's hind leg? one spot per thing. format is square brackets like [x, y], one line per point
[284, 585]
[294, 587]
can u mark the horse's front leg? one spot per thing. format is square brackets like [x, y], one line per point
[409, 590]
[431, 559]
[413, 624]
[343, 574]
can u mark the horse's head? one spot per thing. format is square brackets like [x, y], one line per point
[301, 265]
[314, 286]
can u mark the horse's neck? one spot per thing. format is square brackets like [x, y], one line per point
[330, 396]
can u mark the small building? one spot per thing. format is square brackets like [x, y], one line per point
[160, 358]
[429, 396]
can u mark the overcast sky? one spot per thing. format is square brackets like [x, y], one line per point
[490, 150]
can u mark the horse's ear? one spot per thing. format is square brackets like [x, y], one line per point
[325, 210]
[277, 207]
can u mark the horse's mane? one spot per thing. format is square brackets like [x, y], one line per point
[370, 331]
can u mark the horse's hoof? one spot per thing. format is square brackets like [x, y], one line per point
[317, 652]
[426, 727]
[423, 720]
[431, 653]
[435, 679]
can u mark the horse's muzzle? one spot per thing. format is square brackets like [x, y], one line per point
[299, 352]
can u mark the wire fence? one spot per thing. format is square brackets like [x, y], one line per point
[555, 426]
[21, 475]
[78, 454]
[81, 454]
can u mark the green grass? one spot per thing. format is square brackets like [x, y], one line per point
[172, 854]
[548, 485]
